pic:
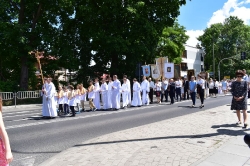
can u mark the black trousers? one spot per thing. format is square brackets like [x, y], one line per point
[60, 107]
[151, 93]
[72, 108]
[172, 95]
[178, 93]
[201, 94]
[186, 94]
[165, 94]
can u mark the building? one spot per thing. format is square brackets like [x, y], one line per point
[192, 58]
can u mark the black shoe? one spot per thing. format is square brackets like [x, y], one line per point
[245, 126]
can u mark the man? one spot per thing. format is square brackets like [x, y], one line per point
[136, 102]
[164, 90]
[129, 88]
[145, 90]
[104, 92]
[116, 87]
[178, 84]
[125, 91]
[50, 111]
[192, 88]
[44, 106]
[96, 100]
[109, 95]
[186, 88]
[151, 91]
[171, 89]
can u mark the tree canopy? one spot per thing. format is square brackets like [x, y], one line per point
[115, 34]
[229, 38]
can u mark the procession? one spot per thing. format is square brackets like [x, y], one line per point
[112, 93]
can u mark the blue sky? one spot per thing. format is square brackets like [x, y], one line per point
[197, 15]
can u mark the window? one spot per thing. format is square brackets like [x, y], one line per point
[202, 68]
[202, 58]
[184, 54]
[184, 67]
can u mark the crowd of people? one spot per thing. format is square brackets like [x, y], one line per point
[109, 94]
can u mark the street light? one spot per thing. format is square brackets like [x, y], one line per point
[213, 61]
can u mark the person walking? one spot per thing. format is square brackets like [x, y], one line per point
[186, 88]
[6, 156]
[171, 88]
[91, 96]
[239, 100]
[116, 95]
[192, 88]
[158, 90]
[145, 91]
[211, 87]
[136, 101]
[151, 92]
[164, 90]
[201, 89]
[178, 84]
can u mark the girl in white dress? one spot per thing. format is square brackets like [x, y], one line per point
[83, 93]
[91, 96]
[65, 101]
[72, 100]
[60, 99]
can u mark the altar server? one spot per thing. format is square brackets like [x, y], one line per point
[136, 102]
[109, 93]
[116, 87]
[91, 96]
[96, 100]
[145, 90]
[104, 92]
[125, 93]
[51, 104]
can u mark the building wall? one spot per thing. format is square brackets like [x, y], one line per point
[193, 60]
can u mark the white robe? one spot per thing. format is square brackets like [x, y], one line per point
[96, 100]
[136, 95]
[125, 95]
[129, 91]
[109, 95]
[50, 101]
[145, 90]
[116, 87]
[45, 105]
[104, 91]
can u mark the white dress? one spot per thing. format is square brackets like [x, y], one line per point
[96, 100]
[129, 91]
[51, 104]
[72, 99]
[136, 95]
[125, 95]
[104, 91]
[116, 94]
[109, 95]
[145, 90]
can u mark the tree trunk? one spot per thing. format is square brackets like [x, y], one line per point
[24, 74]
[114, 64]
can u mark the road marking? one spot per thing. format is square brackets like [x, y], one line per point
[78, 117]
[21, 115]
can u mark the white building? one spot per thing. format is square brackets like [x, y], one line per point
[192, 58]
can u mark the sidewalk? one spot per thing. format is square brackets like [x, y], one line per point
[204, 138]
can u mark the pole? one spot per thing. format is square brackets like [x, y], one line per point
[219, 70]
[213, 61]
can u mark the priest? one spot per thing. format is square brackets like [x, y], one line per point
[116, 87]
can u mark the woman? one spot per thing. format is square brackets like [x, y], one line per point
[211, 87]
[216, 86]
[239, 100]
[158, 90]
[224, 85]
[5, 151]
[201, 89]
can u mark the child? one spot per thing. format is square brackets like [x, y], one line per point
[5, 152]
[66, 101]
[91, 96]
[72, 100]
[60, 99]
[83, 93]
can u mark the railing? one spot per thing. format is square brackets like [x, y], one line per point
[20, 95]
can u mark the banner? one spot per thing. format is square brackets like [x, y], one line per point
[155, 72]
[160, 63]
[146, 70]
[168, 70]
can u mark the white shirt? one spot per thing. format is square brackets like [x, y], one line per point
[158, 86]
[201, 82]
[151, 84]
[178, 84]
[110, 84]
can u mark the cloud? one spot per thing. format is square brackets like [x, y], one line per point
[193, 34]
[231, 8]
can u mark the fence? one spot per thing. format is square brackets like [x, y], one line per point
[20, 95]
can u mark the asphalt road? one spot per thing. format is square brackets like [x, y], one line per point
[33, 140]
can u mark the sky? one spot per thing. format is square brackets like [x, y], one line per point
[197, 15]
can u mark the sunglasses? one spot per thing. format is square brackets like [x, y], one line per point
[239, 76]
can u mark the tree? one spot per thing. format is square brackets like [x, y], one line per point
[229, 38]
[172, 42]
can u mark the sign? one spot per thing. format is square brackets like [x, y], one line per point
[146, 70]
[227, 77]
[168, 70]
[155, 72]
[211, 73]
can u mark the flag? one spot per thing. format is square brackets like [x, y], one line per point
[146, 70]
[168, 70]
[155, 72]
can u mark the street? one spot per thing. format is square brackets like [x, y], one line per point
[34, 140]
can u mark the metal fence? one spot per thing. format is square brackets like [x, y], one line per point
[20, 95]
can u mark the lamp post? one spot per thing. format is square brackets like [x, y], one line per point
[213, 60]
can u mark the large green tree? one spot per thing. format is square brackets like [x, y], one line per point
[227, 39]
[115, 34]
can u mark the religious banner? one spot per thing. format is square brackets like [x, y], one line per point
[160, 63]
[155, 72]
[146, 70]
[168, 70]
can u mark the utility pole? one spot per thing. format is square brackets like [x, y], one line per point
[213, 60]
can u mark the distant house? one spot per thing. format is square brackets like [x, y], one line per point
[192, 58]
